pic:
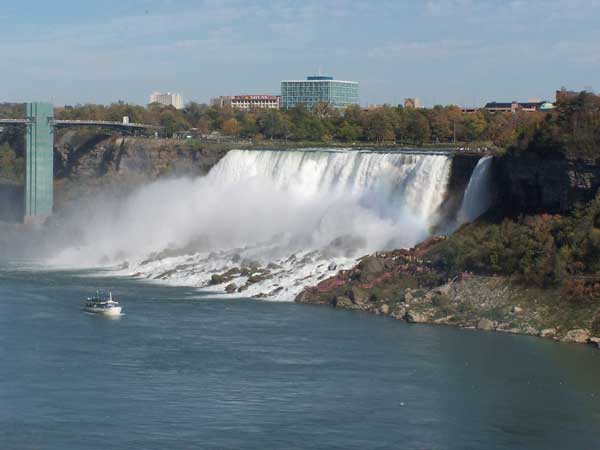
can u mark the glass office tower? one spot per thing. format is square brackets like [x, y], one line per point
[314, 90]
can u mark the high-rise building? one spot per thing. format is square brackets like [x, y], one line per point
[248, 101]
[167, 99]
[314, 90]
[413, 102]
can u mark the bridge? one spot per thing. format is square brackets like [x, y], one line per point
[83, 123]
[39, 153]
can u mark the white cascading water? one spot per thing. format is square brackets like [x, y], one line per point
[478, 196]
[294, 217]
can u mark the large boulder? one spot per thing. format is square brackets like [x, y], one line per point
[548, 332]
[485, 324]
[370, 268]
[595, 341]
[341, 301]
[311, 296]
[415, 317]
[217, 279]
[579, 336]
[530, 330]
[358, 296]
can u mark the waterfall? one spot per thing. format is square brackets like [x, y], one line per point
[478, 196]
[415, 181]
[289, 216]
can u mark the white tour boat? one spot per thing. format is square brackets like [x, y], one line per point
[103, 305]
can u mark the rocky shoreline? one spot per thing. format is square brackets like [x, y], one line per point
[403, 285]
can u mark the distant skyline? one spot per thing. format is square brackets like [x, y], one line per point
[464, 52]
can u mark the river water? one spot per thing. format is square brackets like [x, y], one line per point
[182, 370]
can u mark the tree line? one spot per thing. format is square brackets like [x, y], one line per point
[381, 125]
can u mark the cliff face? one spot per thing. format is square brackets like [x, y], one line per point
[95, 155]
[88, 162]
[530, 184]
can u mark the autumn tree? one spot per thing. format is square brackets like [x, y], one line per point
[231, 127]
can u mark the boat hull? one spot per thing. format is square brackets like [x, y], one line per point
[114, 311]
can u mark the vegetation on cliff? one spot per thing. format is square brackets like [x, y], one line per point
[543, 250]
[572, 130]
[406, 285]
[12, 167]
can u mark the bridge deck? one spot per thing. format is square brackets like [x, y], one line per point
[83, 123]
[102, 123]
[15, 121]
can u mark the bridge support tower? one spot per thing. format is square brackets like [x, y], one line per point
[39, 174]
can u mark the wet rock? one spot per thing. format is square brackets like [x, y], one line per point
[579, 336]
[332, 266]
[230, 288]
[224, 277]
[548, 332]
[358, 296]
[273, 266]
[256, 278]
[595, 341]
[341, 301]
[276, 291]
[217, 279]
[232, 272]
[485, 324]
[399, 313]
[414, 317]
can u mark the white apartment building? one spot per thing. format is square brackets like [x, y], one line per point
[413, 102]
[167, 99]
[248, 101]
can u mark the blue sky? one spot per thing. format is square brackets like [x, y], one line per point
[444, 51]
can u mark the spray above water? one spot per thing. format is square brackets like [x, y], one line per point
[267, 222]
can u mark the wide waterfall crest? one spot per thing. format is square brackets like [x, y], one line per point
[416, 181]
[478, 195]
[274, 221]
